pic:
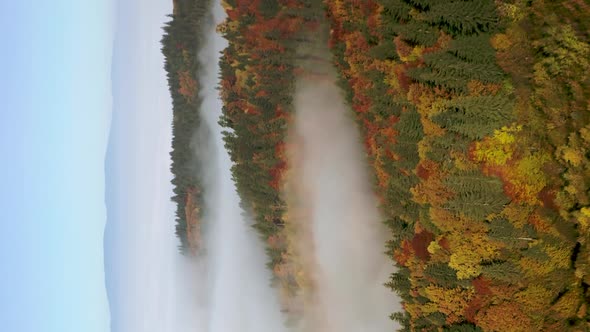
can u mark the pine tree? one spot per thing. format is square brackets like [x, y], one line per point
[385, 50]
[464, 17]
[474, 48]
[476, 195]
[394, 10]
[415, 32]
[450, 65]
[475, 116]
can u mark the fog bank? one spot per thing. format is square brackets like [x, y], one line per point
[238, 293]
[348, 236]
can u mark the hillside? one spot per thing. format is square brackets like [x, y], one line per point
[180, 45]
[475, 119]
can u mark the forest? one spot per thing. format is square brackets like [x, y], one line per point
[181, 43]
[475, 119]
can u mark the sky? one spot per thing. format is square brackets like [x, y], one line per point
[142, 264]
[55, 112]
[87, 238]
[70, 69]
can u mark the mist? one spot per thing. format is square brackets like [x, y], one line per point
[346, 231]
[236, 293]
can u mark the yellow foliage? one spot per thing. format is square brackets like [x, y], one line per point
[422, 149]
[528, 178]
[559, 258]
[504, 317]
[433, 247]
[572, 156]
[584, 219]
[567, 306]
[414, 55]
[517, 214]
[479, 88]
[512, 11]
[501, 41]
[387, 67]
[469, 250]
[450, 301]
[535, 297]
[466, 263]
[497, 149]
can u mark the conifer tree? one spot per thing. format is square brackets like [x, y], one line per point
[476, 195]
[464, 17]
[475, 116]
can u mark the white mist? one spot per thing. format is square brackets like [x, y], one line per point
[239, 296]
[346, 228]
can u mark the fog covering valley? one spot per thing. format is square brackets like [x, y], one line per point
[347, 237]
[233, 282]
[231, 285]
[369, 166]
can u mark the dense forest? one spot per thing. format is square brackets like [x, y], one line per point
[475, 118]
[182, 41]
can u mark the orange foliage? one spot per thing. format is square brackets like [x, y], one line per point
[188, 86]
[506, 316]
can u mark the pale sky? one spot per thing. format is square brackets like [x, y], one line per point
[55, 109]
[140, 246]
[58, 95]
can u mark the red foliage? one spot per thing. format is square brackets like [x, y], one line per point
[475, 305]
[276, 174]
[420, 244]
[402, 256]
[422, 172]
[444, 243]
[547, 196]
[403, 79]
[482, 285]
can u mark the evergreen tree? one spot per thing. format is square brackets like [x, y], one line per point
[448, 65]
[473, 48]
[464, 17]
[384, 51]
[415, 32]
[475, 116]
[443, 275]
[394, 10]
[476, 195]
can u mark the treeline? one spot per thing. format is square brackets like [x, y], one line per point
[258, 72]
[475, 117]
[476, 122]
[181, 43]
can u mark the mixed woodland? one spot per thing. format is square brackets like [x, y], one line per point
[475, 118]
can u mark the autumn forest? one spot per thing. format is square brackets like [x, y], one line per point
[474, 117]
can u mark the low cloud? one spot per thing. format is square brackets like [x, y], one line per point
[347, 235]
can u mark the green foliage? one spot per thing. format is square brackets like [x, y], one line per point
[475, 117]
[443, 145]
[465, 327]
[473, 48]
[269, 8]
[399, 282]
[403, 319]
[180, 45]
[476, 196]
[394, 10]
[384, 51]
[410, 132]
[464, 17]
[504, 271]
[443, 275]
[416, 32]
[446, 64]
